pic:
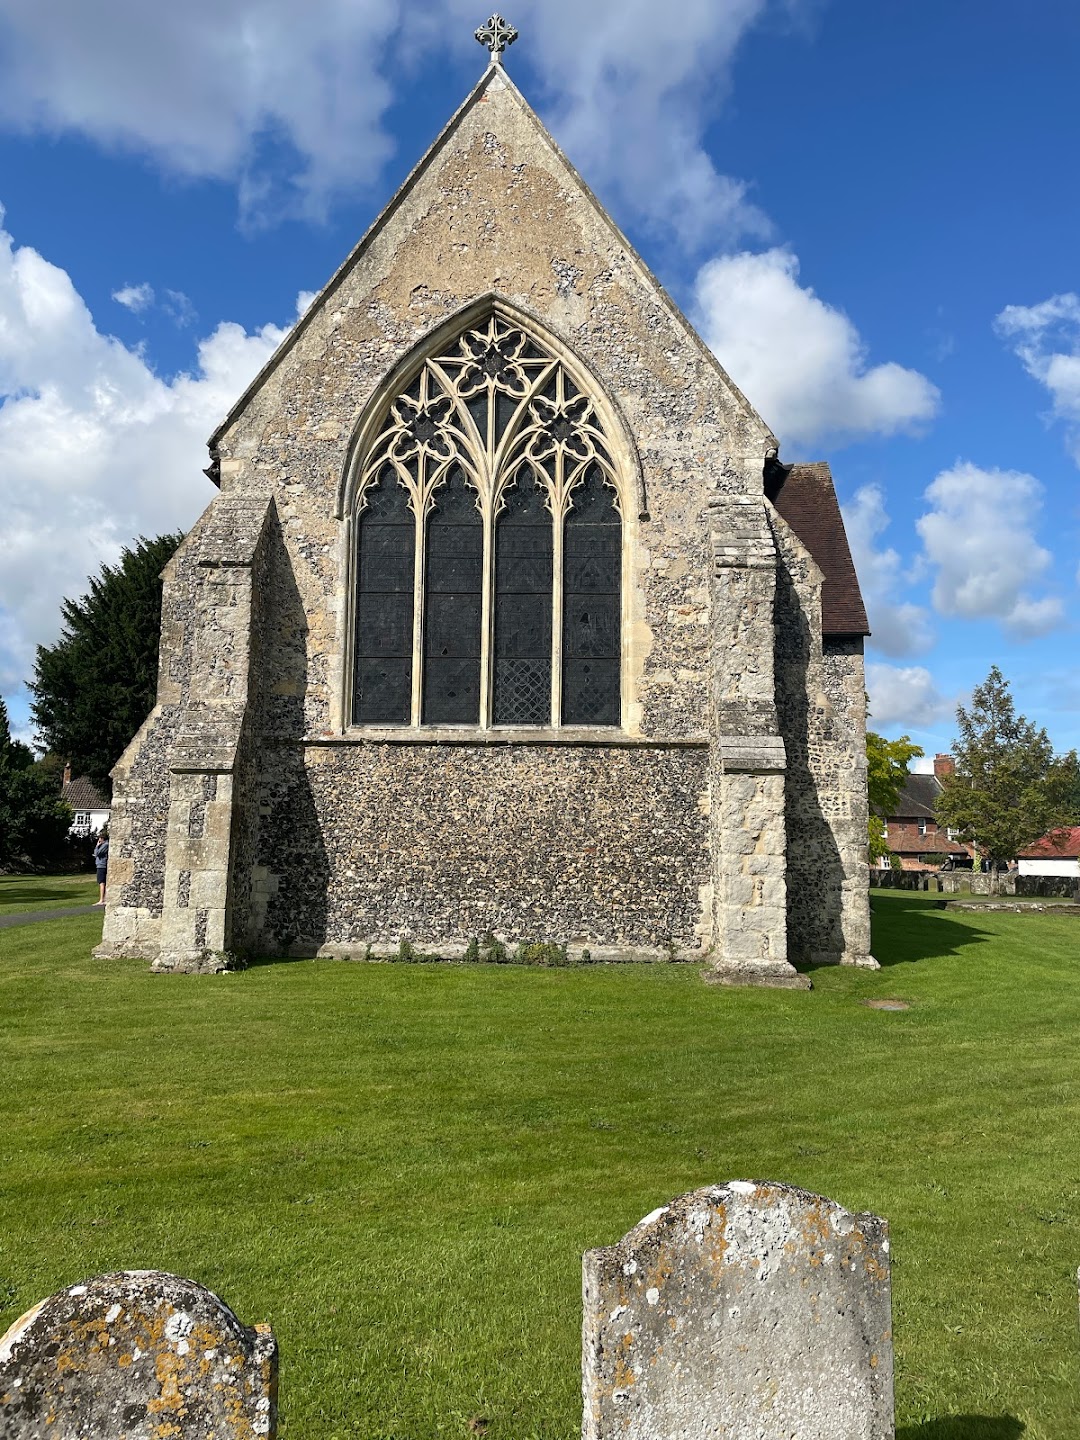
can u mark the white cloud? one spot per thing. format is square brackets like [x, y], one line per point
[208, 87]
[899, 627]
[800, 360]
[633, 91]
[135, 298]
[979, 535]
[1046, 338]
[288, 101]
[904, 697]
[95, 448]
[179, 308]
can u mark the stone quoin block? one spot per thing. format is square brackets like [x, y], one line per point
[745, 1311]
[137, 1356]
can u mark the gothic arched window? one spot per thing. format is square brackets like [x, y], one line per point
[489, 546]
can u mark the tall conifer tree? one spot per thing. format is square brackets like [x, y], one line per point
[96, 685]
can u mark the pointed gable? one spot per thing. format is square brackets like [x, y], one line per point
[496, 208]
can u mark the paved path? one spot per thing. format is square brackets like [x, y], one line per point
[30, 917]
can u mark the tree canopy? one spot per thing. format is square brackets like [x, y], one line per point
[94, 687]
[887, 764]
[33, 819]
[1009, 788]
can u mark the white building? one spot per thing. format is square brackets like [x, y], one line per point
[90, 809]
[1055, 854]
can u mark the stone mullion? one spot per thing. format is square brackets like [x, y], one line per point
[487, 608]
[558, 509]
[421, 508]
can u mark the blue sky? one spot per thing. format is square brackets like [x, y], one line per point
[870, 211]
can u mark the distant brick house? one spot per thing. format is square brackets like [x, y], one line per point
[1055, 854]
[90, 809]
[913, 833]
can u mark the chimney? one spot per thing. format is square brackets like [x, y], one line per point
[944, 765]
[67, 772]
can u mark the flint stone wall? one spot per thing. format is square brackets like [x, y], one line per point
[594, 846]
[821, 703]
[139, 1355]
[750, 1309]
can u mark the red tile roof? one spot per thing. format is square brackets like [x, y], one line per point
[806, 498]
[907, 840]
[83, 794]
[1058, 845]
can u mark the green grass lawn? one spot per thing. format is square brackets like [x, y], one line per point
[399, 1166]
[45, 892]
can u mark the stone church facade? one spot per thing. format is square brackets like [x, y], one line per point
[507, 619]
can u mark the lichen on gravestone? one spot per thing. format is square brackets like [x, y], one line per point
[751, 1311]
[139, 1355]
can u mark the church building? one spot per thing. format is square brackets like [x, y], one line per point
[507, 620]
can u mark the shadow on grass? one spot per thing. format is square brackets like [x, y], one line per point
[35, 892]
[262, 962]
[908, 928]
[965, 1427]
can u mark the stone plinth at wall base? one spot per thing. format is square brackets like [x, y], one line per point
[129, 933]
[382, 952]
[839, 957]
[124, 950]
[190, 962]
[137, 1354]
[778, 976]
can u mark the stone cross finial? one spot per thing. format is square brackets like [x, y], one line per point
[497, 34]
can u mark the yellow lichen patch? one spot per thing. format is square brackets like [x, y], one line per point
[623, 1376]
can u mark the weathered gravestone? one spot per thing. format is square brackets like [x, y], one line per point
[746, 1311]
[137, 1356]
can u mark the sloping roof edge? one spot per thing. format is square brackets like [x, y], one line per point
[805, 496]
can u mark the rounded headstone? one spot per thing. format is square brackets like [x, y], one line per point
[138, 1355]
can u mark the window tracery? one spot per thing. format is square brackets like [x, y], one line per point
[501, 465]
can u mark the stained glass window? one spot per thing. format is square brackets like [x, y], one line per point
[523, 604]
[517, 573]
[384, 609]
[592, 581]
[453, 600]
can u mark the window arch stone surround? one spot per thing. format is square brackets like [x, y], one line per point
[492, 404]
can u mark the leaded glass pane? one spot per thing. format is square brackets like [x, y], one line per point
[454, 599]
[384, 606]
[592, 606]
[524, 546]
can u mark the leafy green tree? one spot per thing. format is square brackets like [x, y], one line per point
[887, 764]
[34, 821]
[1070, 786]
[97, 684]
[1009, 788]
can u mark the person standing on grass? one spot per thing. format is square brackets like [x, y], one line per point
[101, 862]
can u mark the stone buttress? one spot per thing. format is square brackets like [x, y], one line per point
[204, 772]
